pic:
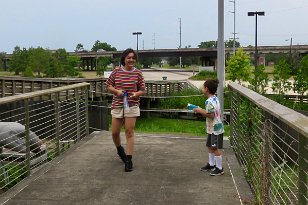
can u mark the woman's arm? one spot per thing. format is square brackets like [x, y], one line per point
[137, 94]
[111, 89]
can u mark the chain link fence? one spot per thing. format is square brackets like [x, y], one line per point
[270, 142]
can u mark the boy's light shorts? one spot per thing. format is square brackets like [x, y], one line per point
[121, 113]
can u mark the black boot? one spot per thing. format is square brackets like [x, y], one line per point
[129, 164]
[122, 154]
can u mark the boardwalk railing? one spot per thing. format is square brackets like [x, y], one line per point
[17, 85]
[38, 126]
[270, 142]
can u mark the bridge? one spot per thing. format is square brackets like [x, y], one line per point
[78, 165]
[208, 56]
[205, 52]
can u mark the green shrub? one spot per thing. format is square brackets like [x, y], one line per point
[15, 174]
[199, 100]
[204, 75]
[181, 102]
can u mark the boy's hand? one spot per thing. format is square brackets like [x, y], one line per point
[197, 110]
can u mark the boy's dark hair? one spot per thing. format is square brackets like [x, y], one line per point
[211, 85]
[125, 53]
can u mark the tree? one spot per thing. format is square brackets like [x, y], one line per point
[102, 64]
[71, 67]
[229, 44]
[62, 64]
[19, 61]
[148, 61]
[102, 45]
[173, 61]
[301, 78]
[281, 76]
[2, 55]
[79, 47]
[238, 66]
[208, 44]
[260, 80]
[39, 60]
[54, 68]
[213, 44]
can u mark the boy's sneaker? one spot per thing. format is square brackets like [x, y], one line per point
[217, 171]
[128, 166]
[207, 168]
[122, 154]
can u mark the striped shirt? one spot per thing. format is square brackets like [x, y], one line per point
[129, 81]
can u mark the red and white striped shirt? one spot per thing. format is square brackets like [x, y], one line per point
[129, 81]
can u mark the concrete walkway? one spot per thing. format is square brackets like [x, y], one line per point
[166, 171]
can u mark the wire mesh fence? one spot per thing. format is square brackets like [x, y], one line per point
[270, 142]
[36, 127]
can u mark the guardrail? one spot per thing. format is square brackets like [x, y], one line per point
[18, 85]
[270, 142]
[38, 126]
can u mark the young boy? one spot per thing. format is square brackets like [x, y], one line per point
[214, 128]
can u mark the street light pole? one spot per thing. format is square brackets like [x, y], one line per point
[137, 34]
[180, 41]
[291, 51]
[256, 13]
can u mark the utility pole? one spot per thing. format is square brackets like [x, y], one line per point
[180, 41]
[142, 44]
[221, 54]
[234, 33]
[154, 40]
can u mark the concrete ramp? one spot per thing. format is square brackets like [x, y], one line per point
[166, 171]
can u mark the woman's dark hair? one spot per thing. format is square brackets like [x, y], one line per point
[211, 85]
[125, 53]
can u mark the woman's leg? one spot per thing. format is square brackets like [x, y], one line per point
[130, 134]
[116, 129]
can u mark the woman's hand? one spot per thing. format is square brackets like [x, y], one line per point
[133, 95]
[119, 93]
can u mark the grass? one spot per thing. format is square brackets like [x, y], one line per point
[204, 75]
[180, 126]
[6, 73]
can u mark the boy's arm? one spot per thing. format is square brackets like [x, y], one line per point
[203, 112]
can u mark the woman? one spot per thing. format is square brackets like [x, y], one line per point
[125, 79]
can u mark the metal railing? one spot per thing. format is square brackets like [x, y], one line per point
[10, 86]
[38, 126]
[270, 142]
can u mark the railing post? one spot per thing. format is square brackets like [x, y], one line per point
[87, 109]
[32, 86]
[13, 87]
[57, 121]
[27, 135]
[3, 88]
[23, 87]
[77, 114]
[303, 170]
[266, 163]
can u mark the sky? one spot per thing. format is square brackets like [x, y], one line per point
[57, 24]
